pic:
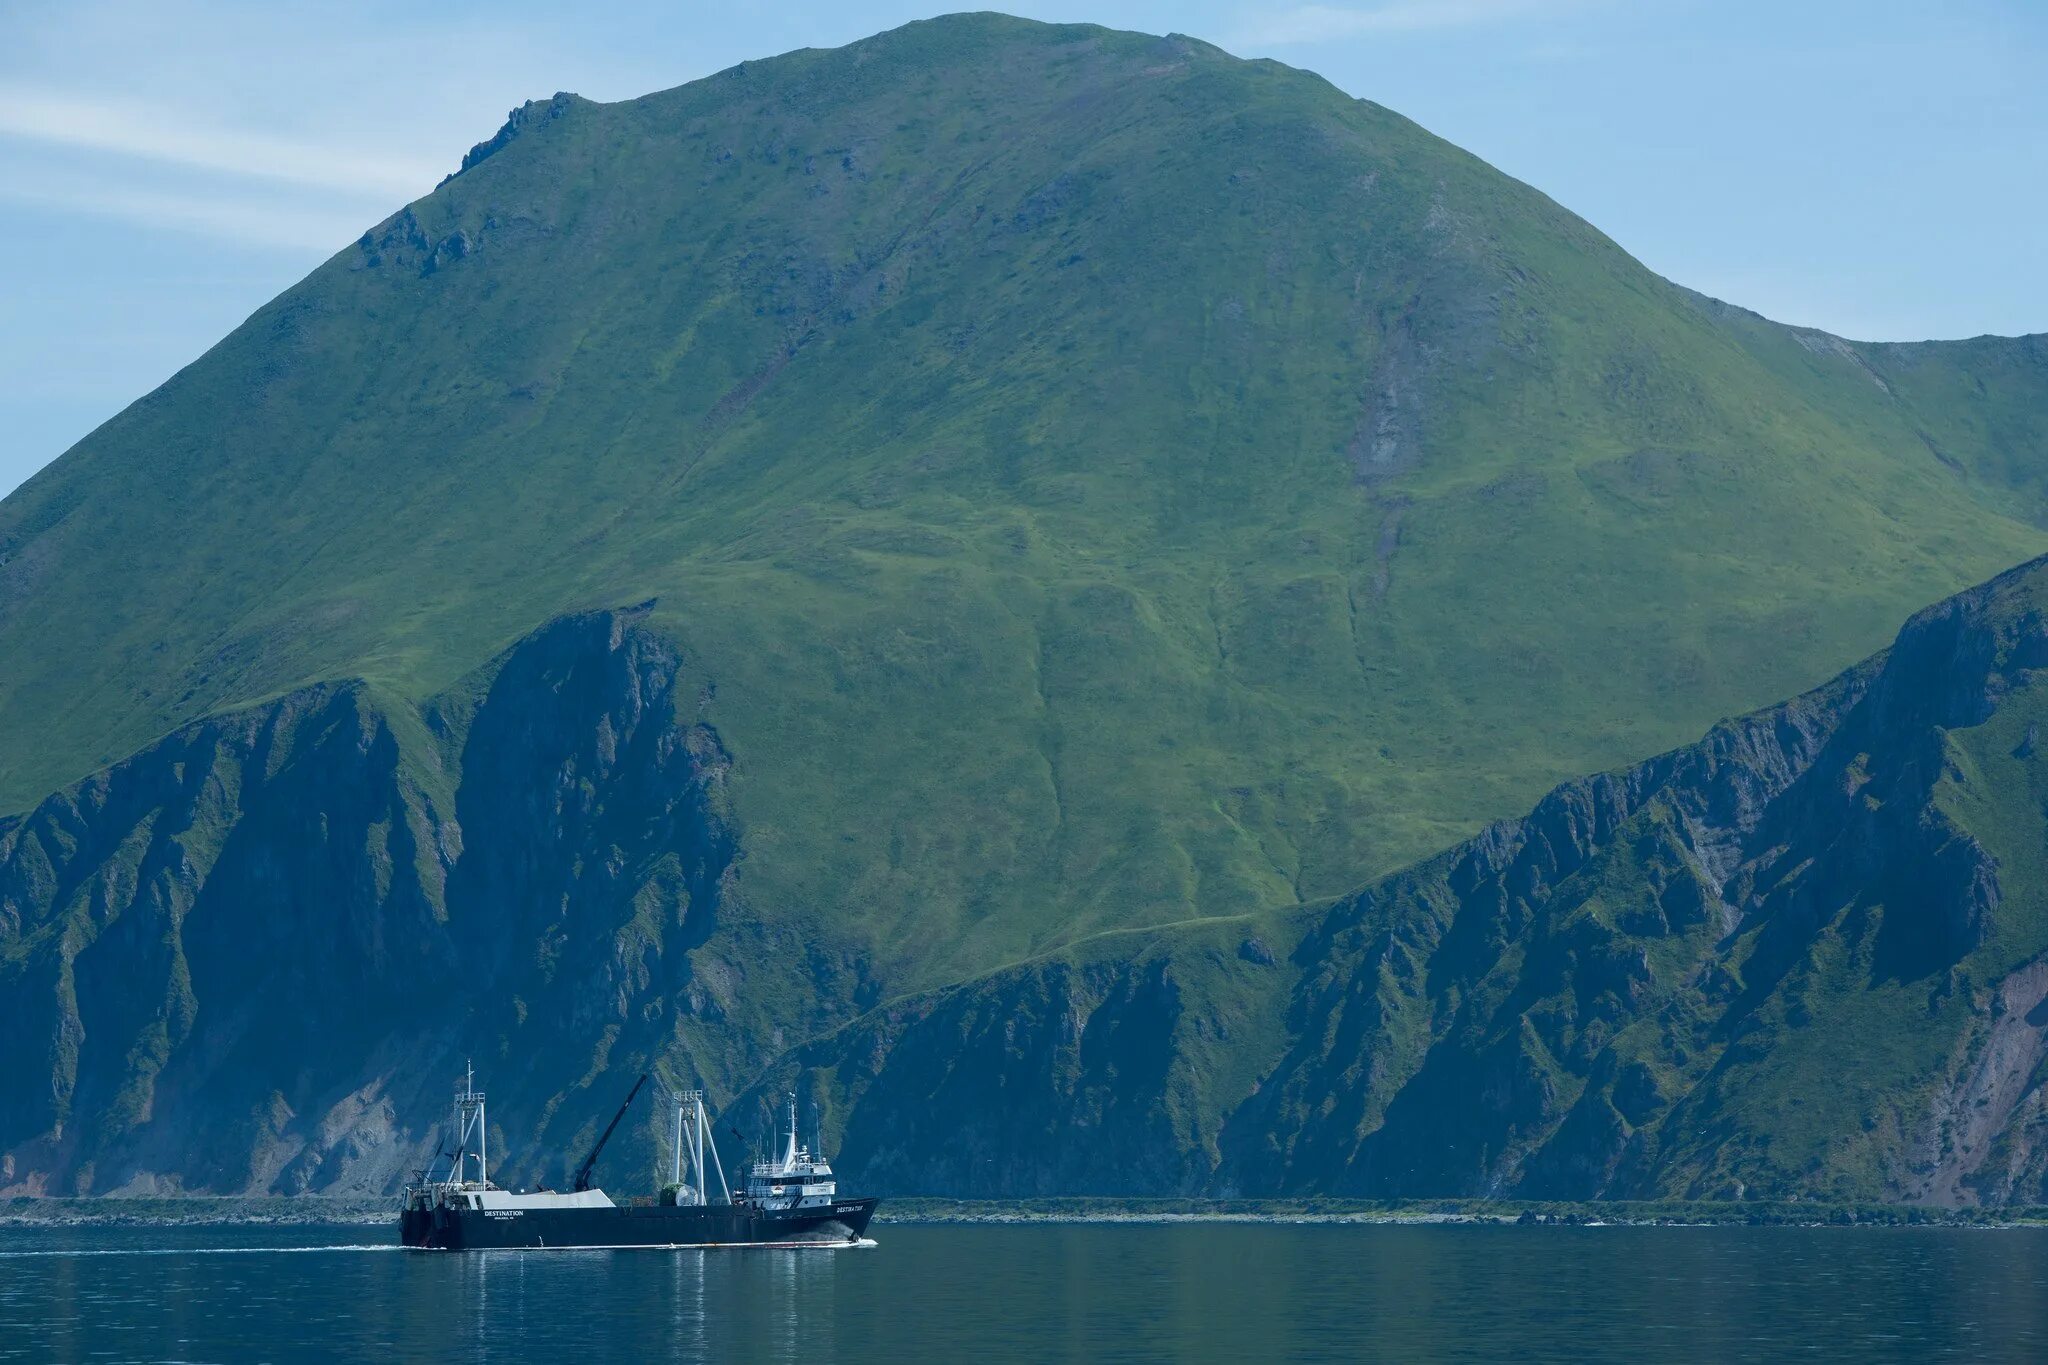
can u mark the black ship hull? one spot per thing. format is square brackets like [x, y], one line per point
[719, 1225]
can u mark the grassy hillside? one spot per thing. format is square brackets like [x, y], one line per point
[1091, 482]
[1805, 958]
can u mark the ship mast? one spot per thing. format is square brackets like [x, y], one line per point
[469, 1116]
[789, 1157]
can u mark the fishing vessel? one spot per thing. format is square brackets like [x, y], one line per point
[790, 1201]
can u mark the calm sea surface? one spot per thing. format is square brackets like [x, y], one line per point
[1078, 1292]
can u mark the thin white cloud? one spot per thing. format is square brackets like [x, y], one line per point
[1327, 23]
[312, 230]
[161, 135]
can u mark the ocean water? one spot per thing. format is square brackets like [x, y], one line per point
[1232, 1292]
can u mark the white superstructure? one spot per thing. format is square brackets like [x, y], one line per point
[797, 1181]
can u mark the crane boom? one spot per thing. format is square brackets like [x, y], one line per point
[589, 1162]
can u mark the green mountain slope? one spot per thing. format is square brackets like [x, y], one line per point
[1078, 481]
[1806, 957]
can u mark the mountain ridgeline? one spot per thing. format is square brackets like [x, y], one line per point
[931, 573]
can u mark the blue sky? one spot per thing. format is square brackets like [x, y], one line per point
[1878, 167]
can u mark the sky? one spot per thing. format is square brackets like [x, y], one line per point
[1877, 168]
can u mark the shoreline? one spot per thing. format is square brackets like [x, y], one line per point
[369, 1210]
[1468, 1212]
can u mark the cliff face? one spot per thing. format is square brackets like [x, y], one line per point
[1805, 956]
[250, 957]
[253, 897]
[1103, 1071]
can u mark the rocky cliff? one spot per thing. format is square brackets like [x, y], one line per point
[252, 956]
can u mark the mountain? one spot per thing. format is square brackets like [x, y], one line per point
[994, 493]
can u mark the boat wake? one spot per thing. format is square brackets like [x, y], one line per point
[193, 1251]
